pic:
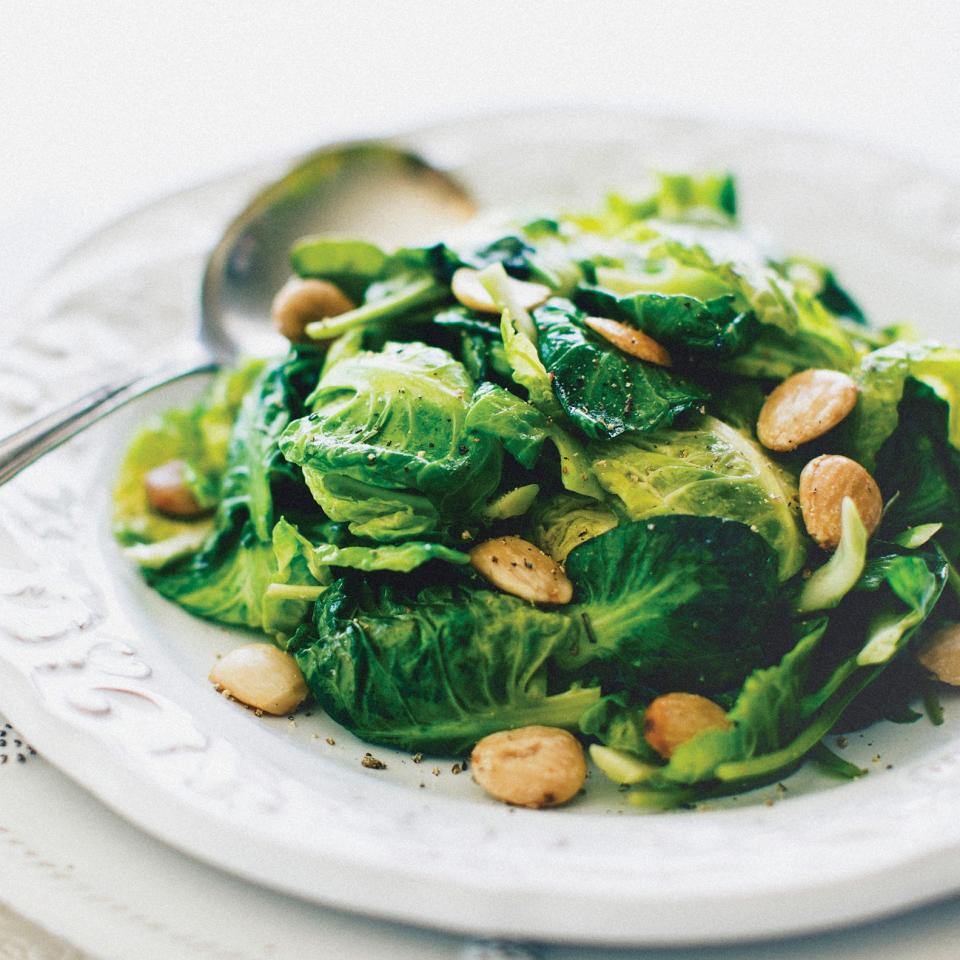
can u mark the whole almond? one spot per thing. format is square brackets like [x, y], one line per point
[804, 407]
[516, 566]
[824, 483]
[630, 340]
[674, 718]
[469, 291]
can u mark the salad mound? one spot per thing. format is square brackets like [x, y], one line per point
[623, 474]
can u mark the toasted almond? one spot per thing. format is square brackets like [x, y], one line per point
[675, 718]
[516, 566]
[630, 340]
[530, 767]
[299, 302]
[824, 483]
[468, 289]
[941, 654]
[261, 676]
[168, 492]
[804, 407]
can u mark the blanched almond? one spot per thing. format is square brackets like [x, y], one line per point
[824, 482]
[675, 718]
[630, 340]
[261, 676]
[299, 302]
[941, 654]
[530, 767]
[804, 407]
[168, 492]
[468, 289]
[516, 566]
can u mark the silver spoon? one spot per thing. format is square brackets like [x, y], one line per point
[370, 190]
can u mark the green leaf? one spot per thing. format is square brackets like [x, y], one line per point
[351, 264]
[699, 329]
[529, 373]
[567, 520]
[602, 390]
[767, 711]
[815, 340]
[401, 558]
[673, 602]
[437, 669]
[819, 280]
[518, 425]
[680, 196]
[918, 469]
[784, 711]
[881, 379]
[256, 467]
[706, 469]
[388, 439]
[198, 435]
[226, 580]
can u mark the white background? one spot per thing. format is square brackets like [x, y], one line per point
[106, 104]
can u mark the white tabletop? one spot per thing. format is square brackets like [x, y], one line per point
[106, 104]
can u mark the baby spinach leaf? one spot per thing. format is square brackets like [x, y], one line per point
[690, 327]
[435, 669]
[602, 390]
[529, 372]
[675, 602]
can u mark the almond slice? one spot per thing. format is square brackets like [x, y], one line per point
[630, 340]
[516, 566]
[824, 483]
[804, 407]
[468, 289]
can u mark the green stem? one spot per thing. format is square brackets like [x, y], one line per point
[414, 294]
[289, 591]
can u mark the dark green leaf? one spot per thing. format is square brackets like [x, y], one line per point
[602, 390]
[696, 329]
[434, 669]
[674, 602]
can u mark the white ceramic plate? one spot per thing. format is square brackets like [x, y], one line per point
[108, 680]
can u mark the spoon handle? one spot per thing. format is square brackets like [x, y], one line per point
[21, 448]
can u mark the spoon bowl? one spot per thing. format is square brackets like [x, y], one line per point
[372, 190]
[368, 190]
